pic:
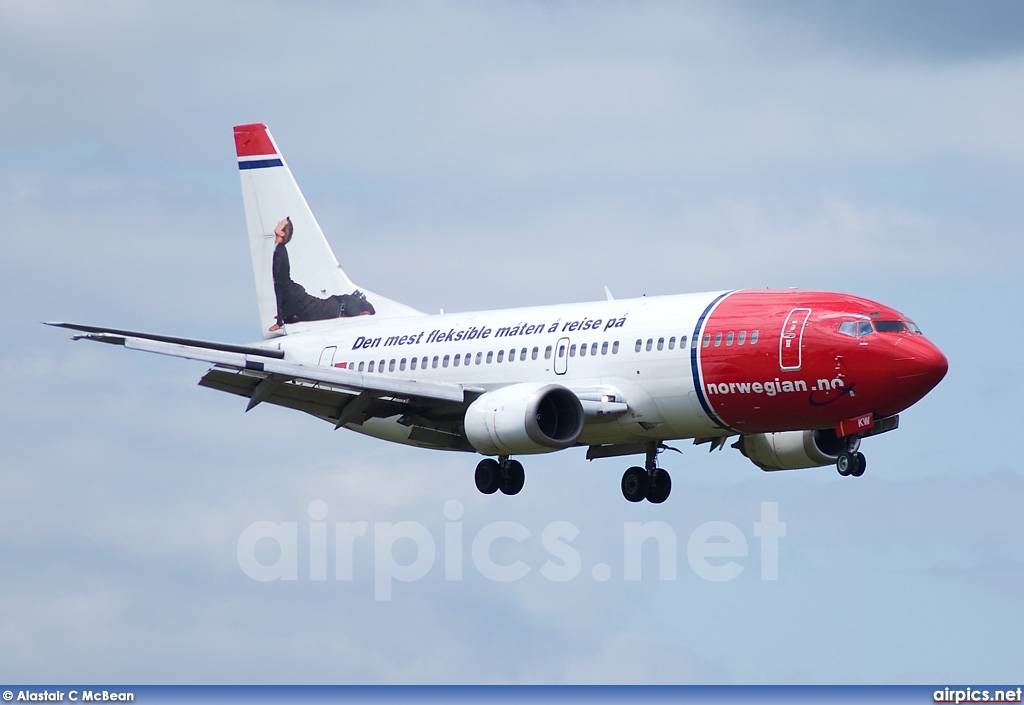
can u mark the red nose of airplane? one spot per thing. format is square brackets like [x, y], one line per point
[917, 367]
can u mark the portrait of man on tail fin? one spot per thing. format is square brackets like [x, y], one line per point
[294, 304]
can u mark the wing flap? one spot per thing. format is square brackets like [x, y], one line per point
[326, 402]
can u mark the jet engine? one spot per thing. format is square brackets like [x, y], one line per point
[524, 418]
[790, 450]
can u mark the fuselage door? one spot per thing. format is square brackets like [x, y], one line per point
[562, 356]
[327, 356]
[790, 344]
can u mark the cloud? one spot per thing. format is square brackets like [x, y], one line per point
[931, 32]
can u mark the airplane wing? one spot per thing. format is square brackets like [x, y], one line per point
[432, 410]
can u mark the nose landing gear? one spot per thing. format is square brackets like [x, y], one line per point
[851, 463]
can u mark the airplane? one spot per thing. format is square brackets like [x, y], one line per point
[798, 378]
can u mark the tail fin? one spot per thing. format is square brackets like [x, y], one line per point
[308, 268]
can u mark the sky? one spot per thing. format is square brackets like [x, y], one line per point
[484, 155]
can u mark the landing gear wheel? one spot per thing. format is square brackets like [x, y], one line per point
[659, 488]
[488, 476]
[635, 483]
[845, 463]
[860, 466]
[512, 477]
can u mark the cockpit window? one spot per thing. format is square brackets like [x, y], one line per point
[890, 326]
[913, 327]
[864, 328]
[848, 328]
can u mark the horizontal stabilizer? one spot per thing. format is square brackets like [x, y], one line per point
[111, 335]
[269, 361]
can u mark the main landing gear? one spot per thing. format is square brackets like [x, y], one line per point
[502, 474]
[649, 482]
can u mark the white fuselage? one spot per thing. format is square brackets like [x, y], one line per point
[586, 347]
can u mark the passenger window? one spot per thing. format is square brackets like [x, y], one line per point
[401, 365]
[707, 340]
[380, 366]
[391, 365]
[718, 339]
[583, 350]
[456, 360]
[672, 343]
[650, 344]
[753, 338]
[615, 348]
[423, 363]
[445, 360]
[490, 356]
[370, 368]
[434, 365]
[479, 357]
[639, 344]
[728, 338]
[661, 343]
[534, 355]
[547, 353]
[682, 342]
[741, 338]
[604, 348]
[501, 356]
[522, 355]
[512, 355]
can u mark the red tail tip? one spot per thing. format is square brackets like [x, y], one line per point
[253, 140]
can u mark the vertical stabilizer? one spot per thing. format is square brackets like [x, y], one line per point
[298, 279]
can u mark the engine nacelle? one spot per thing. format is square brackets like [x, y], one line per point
[524, 418]
[791, 450]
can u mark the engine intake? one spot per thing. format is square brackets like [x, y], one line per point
[791, 450]
[524, 418]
